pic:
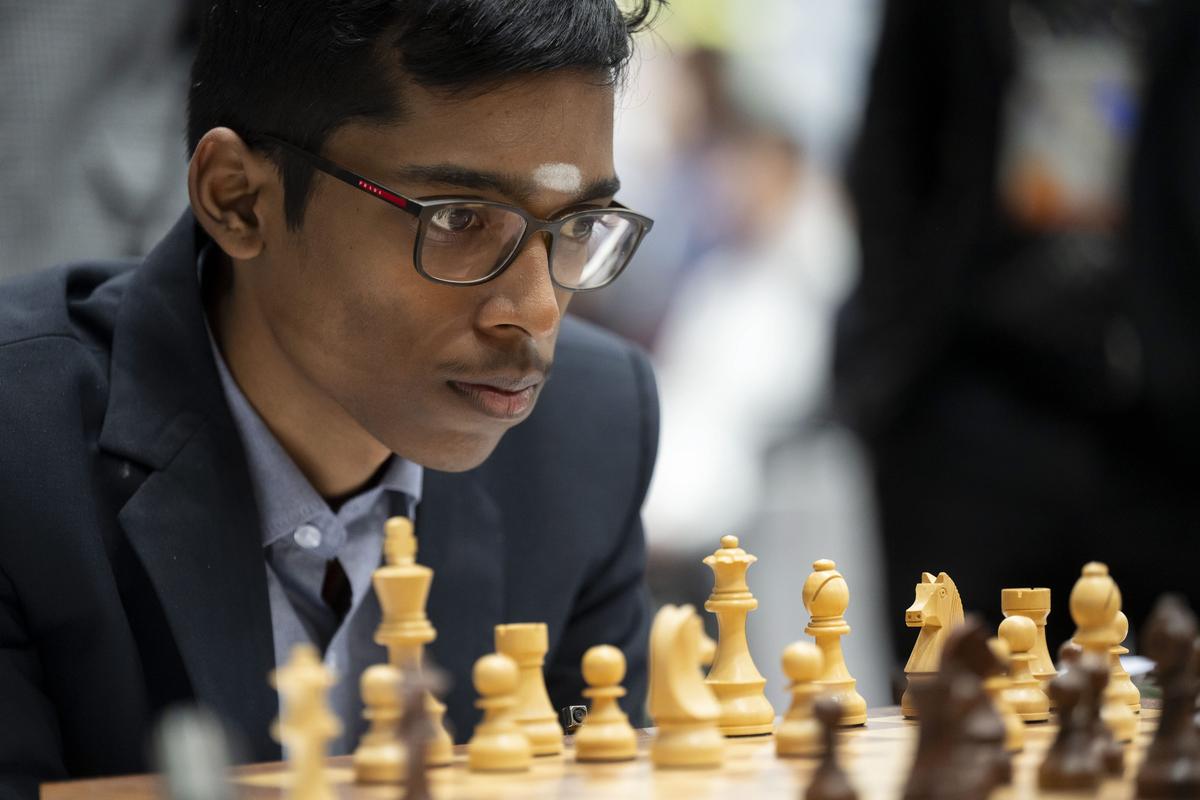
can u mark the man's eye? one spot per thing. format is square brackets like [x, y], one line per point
[580, 229]
[455, 220]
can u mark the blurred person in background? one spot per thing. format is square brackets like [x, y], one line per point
[733, 134]
[693, 120]
[91, 127]
[1022, 352]
[746, 444]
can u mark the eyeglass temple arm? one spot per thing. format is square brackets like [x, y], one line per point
[346, 176]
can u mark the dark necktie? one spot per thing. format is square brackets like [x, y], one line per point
[335, 590]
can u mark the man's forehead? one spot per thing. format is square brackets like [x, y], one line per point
[563, 117]
[554, 177]
[547, 134]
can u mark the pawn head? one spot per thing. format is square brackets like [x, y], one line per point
[1069, 652]
[828, 710]
[380, 684]
[603, 665]
[802, 662]
[495, 674]
[1020, 633]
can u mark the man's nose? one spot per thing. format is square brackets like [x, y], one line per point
[524, 297]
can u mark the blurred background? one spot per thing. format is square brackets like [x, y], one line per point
[922, 291]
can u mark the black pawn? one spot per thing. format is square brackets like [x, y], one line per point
[416, 730]
[829, 781]
[1072, 761]
[935, 739]
[1172, 765]
[1109, 752]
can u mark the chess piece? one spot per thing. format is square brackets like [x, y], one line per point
[498, 744]
[1035, 604]
[681, 704]
[745, 710]
[799, 733]
[1122, 684]
[526, 643]
[826, 597]
[380, 757]
[402, 587]
[937, 610]
[1025, 693]
[829, 782]
[606, 734]
[939, 724]
[192, 755]
[305, 725]
[980, 761]
[416, 730]
[1095, 601]
[960, 745]
[1109, 751]
[1068, 653]
[1071, 762]
[708, 650]
[1171, 767]
[996, 686]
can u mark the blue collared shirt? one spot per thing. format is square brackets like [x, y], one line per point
[300, 534]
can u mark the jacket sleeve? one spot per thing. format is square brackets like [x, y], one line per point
[614, 606]
[30, 742]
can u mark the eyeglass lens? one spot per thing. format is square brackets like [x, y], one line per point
[468, 241]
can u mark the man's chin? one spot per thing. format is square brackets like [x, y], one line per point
[451, 452]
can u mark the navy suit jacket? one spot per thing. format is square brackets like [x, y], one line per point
[131, 565]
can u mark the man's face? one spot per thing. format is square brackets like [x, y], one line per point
[436, 373]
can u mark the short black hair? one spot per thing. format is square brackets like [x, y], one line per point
[299, 69]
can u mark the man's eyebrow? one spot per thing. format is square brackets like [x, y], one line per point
[517, 188]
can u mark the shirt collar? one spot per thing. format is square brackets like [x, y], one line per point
[286, 498]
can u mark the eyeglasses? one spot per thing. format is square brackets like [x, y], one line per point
[469, 242]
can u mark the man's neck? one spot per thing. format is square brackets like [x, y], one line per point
[328, 446]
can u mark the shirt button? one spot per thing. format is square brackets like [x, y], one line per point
[308, 536]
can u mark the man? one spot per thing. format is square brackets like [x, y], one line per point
[391, 205]
[1021, 353]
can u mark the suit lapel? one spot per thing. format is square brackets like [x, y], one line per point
[194, 527]
[461, 537]
[193, 522]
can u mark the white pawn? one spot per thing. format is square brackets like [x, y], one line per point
[606, 734]
[996, 686]
[799, 733]
[380, 757]
[1024, 693]
[1123, 686]
[498, 744]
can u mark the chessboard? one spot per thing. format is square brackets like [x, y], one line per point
[876, 756]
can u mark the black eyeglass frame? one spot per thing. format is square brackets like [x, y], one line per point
[424, 209]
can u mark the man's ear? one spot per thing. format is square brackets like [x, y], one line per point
[229, 186]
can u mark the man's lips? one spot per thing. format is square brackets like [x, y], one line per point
[500, 398]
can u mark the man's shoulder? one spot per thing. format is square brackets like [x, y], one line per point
[74, 302]
[55, 342]
[599, 361]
